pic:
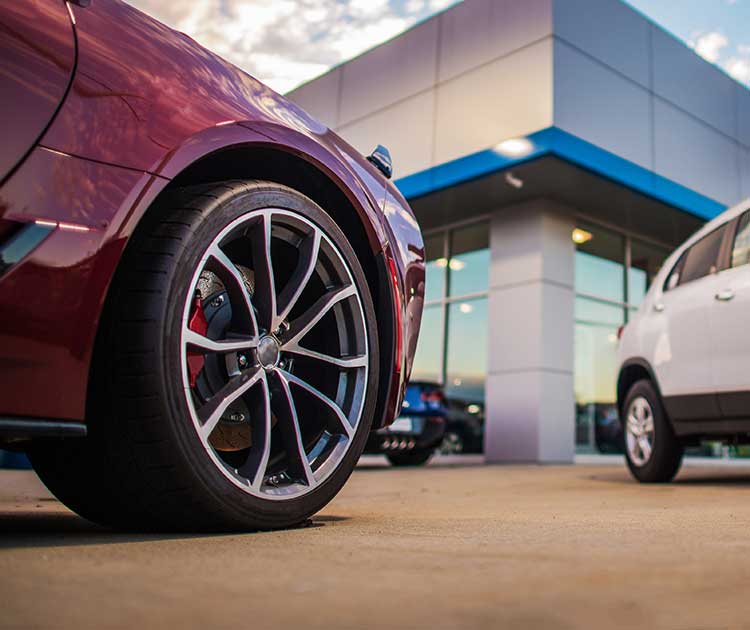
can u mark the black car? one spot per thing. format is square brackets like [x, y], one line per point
[464, 431]
[418, 431]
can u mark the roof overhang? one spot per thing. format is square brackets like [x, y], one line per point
[557, 165]
[584, 192]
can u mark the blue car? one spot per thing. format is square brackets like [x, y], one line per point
[417, 433]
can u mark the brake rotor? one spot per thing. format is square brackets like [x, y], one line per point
[234, 431]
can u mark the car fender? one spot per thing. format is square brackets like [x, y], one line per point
[251, 135]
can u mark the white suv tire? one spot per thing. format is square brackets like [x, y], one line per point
[653, 452]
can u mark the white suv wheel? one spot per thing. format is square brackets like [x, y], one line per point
[639, 431]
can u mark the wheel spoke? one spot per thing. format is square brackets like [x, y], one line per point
[640, 410]
[210, 413]
[286, 412]
[645, 447]
[358, 361]
[343, 420]
[234, 283]
[254, 469]
[305, 322]
[265, 287]
[633, 426]
[261, 471]
[648, 424]
[199, 342]
[308, 258]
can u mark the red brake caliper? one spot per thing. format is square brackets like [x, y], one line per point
[197, 324]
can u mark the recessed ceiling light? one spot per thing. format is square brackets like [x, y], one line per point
[514, 147]
[581, 236]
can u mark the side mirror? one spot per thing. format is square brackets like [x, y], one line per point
[381, 158]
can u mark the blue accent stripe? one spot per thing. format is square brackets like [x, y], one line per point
[561, 144]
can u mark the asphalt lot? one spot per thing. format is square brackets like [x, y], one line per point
[455, 545]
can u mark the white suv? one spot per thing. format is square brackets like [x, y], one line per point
[685, 356]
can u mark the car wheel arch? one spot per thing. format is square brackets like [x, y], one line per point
[632, 371]
[248, 161]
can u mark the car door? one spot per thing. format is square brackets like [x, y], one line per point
[730, 316]
[682, 349]
[37, 49]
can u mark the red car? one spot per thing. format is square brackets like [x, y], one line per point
[208, 300]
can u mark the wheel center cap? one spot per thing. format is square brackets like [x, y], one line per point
[268, 352]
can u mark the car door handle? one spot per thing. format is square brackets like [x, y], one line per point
[659, 307]
[725, 295]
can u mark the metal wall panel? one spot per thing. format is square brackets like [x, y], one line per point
[608, 30]
[598, 104]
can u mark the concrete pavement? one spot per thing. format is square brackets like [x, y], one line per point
[449, 546]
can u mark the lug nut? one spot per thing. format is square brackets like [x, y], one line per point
[237, 417]
[242, 361]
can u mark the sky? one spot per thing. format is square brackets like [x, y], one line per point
[287, 42]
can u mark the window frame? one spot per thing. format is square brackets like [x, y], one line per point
[444, 302]
[721, 262]
[733, 241]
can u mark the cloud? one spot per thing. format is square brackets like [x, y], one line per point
[710, 45]
[716, 48]
[739, 69]
[286, 42]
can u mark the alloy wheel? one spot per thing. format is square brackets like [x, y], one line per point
[453, 444]
[639, 431]
[275, 357]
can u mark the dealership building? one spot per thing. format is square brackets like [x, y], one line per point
[554, 152]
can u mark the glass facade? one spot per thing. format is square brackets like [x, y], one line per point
[612, 275]
[452, 347]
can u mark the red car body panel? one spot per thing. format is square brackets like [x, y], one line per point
[37, 55]
[145, 103]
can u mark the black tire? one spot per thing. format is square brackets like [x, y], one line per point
[143, 465]
[416, 457]
[667, 451]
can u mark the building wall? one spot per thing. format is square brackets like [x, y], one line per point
[453, 85]
[530, 405]
[488, 70]
[640, 93]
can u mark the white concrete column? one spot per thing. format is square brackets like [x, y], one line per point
[530, 405]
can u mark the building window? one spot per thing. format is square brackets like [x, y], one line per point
[645, 262]
[428, 360]
[612, 275]
[600, 265]
[452, 348]
[437, 261]
[469, 263]
[741, 247]
[466, 361]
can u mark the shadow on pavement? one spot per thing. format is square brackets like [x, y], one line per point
[723, 479]
[65, 529]
[379, 462]
[686, 478]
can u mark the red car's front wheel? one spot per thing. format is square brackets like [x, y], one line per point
[236, 370]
